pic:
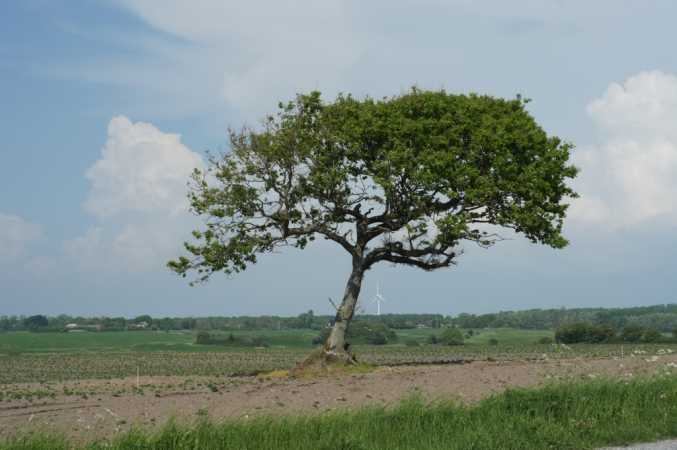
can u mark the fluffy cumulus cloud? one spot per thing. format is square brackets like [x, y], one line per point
[141, 169]
[138, 195]
[630, 176]
[16, 233]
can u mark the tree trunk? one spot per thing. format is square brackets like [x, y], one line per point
[336, 348]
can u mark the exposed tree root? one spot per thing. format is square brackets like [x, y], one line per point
[324, 361]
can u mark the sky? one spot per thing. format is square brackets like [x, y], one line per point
[107, 105]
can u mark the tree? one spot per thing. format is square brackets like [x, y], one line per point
[363, 331]
[34, 323]
[403, 180]
[305, 320]
[143, 318]
[651, 335]
[632, 333]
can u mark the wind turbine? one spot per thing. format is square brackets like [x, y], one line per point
[378, 299]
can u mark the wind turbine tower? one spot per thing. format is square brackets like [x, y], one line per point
[378, 299]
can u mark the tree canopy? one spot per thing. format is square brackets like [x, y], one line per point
[419, 173]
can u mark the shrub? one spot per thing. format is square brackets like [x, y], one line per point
[637, 333]
[545, 340]
[36, 323]
[578, 332]
[411, 343]
[203, 338]
[432, 339]
[651, 335]
[320, 338]
[451, 336]
[493, 341]
[362, 331]
[632, 333]
[376, 338]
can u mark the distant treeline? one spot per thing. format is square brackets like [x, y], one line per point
[586, 332]
[307, 320]
[659, 317]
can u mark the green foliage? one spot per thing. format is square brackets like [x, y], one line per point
[636, 333]
[509, 336]
[451, 336]
[632, 333]
[308, 320]
[545, 340]
[204, 338]
[35, 323]
[493, 341]
[584, 332]
[430, 165]
[579, 415]
[661, 317]
[651, 335]
[363, 332]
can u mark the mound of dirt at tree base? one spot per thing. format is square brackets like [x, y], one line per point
[86, 410]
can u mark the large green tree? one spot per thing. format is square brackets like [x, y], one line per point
[404, 180]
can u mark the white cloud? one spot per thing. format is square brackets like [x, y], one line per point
[250, 54]
[15, 234]
[141, 169]
[631, 176]
[138, 195]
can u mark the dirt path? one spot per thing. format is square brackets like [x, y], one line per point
[92, 409]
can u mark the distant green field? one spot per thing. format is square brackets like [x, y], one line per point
[507, 336]
[510, 336]
[148, 341]
[111, 341]
[116, 341]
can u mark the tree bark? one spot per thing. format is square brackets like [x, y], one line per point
[337, 348]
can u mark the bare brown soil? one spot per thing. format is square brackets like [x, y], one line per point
[88, 410]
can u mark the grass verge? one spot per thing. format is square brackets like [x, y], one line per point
[561, 416]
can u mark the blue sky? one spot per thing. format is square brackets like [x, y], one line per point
[106, 105]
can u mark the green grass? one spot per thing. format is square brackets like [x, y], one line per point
[509, 336]
[175, 341]
[281, 338]
[105, 341]
[562, 416]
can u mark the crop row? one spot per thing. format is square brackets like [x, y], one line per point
[40, 367]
